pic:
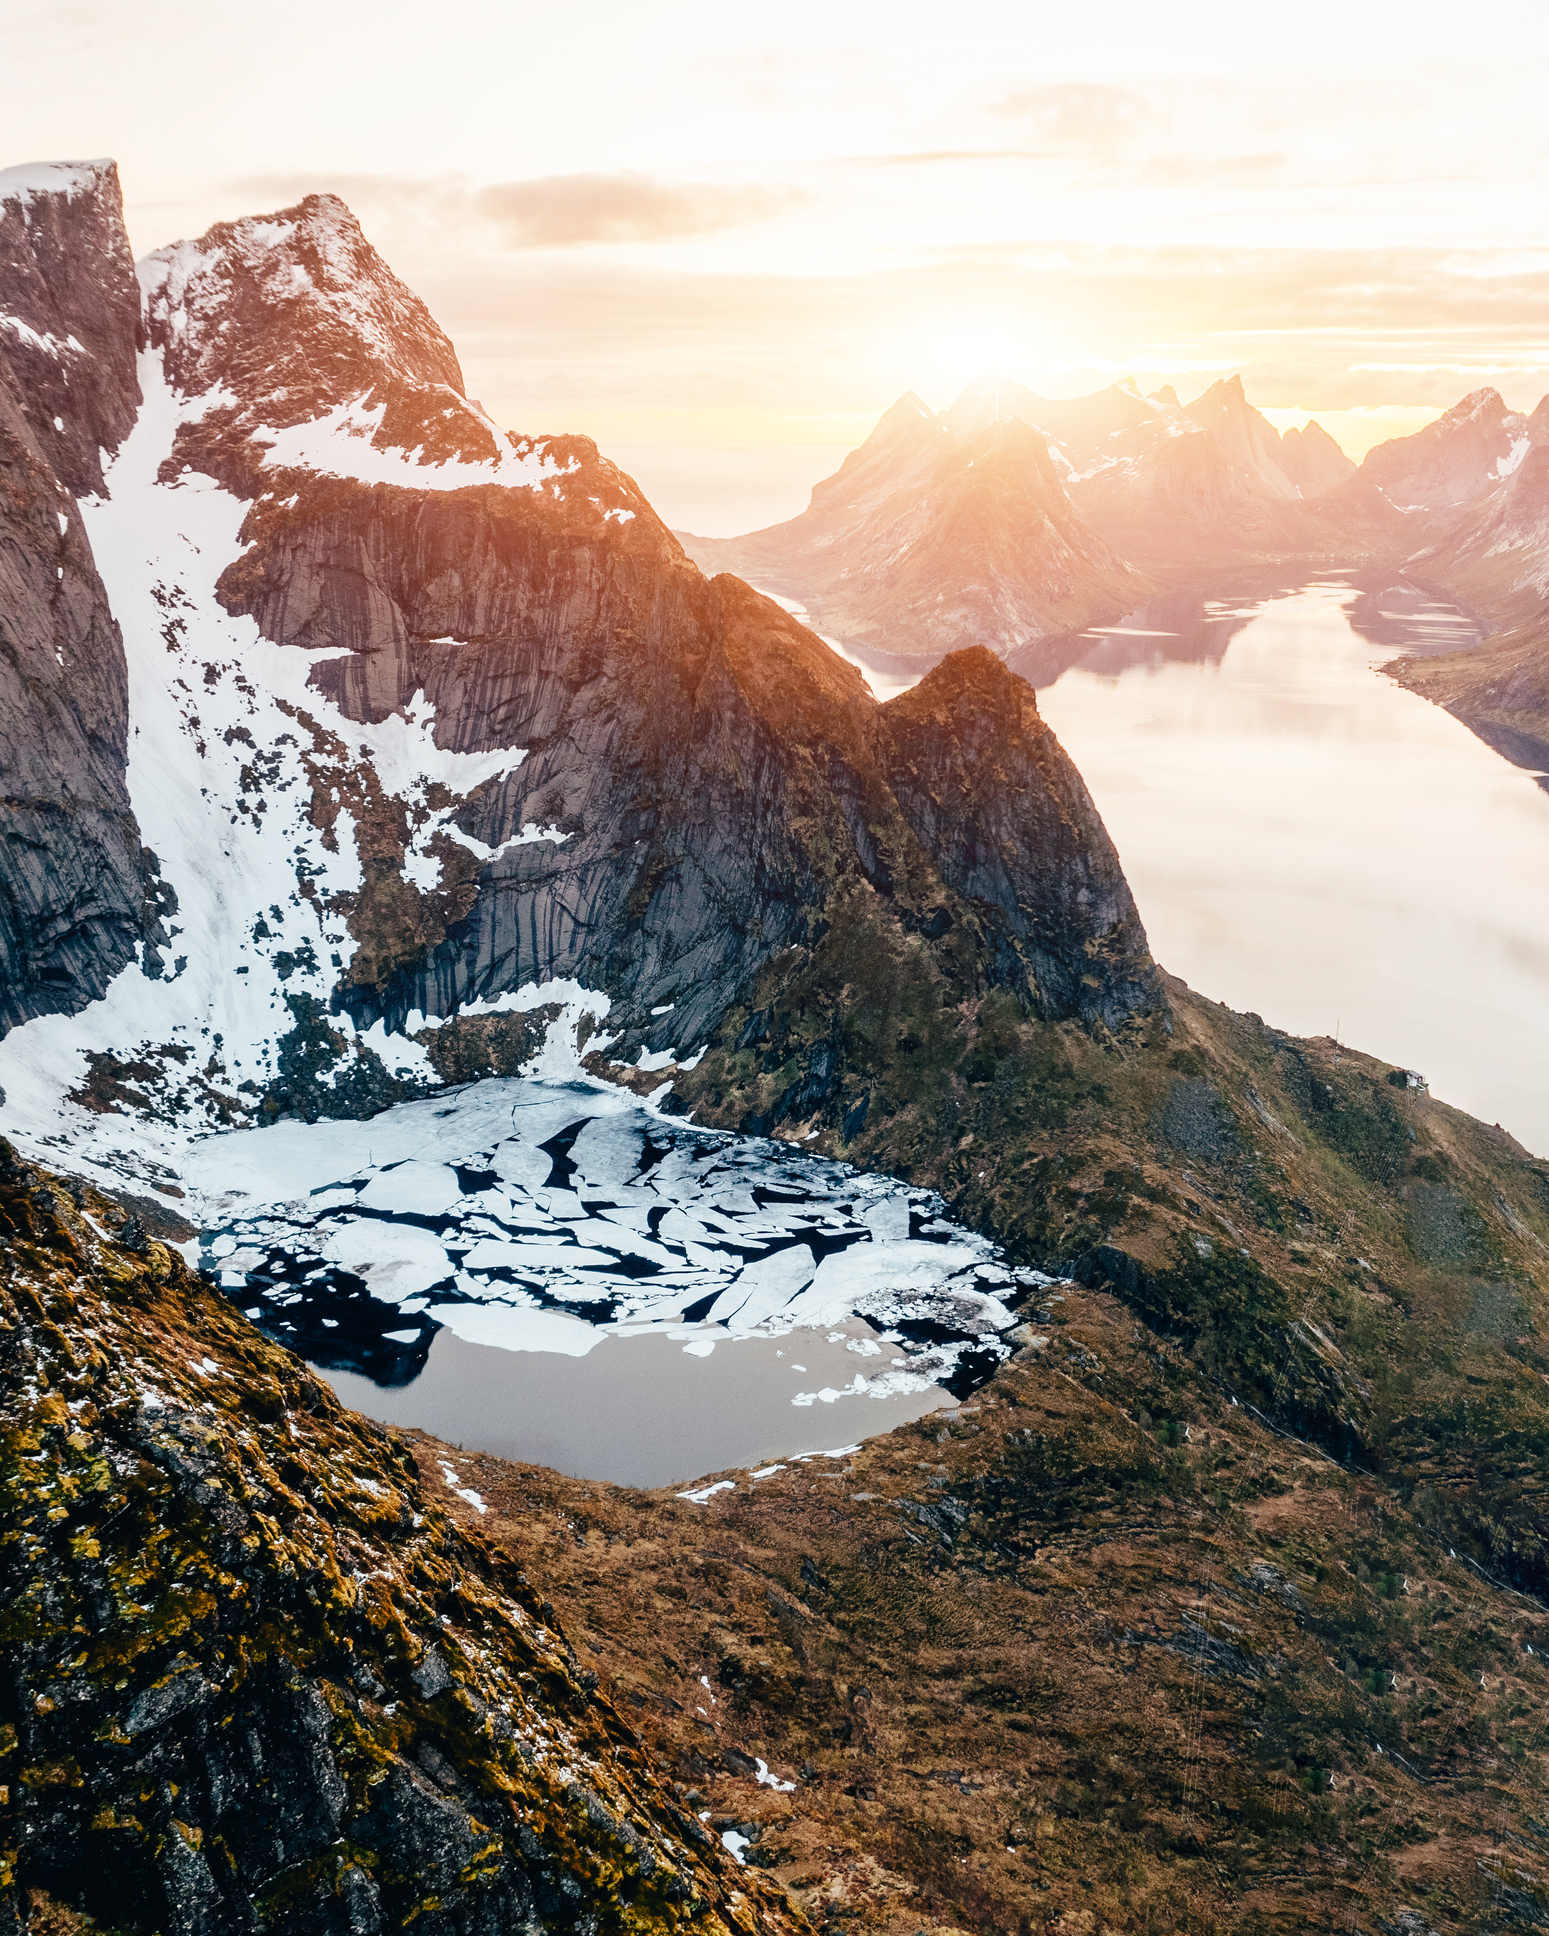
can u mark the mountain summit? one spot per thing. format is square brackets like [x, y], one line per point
[936, 533]
[425, 724]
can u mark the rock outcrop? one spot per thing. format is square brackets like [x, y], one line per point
[73, 879]
[251, 1678]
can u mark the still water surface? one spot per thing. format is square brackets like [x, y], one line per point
[1309, 841]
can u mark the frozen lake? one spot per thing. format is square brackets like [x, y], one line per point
[556, 1272]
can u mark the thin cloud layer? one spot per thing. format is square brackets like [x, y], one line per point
[547, 212]
[565, 211]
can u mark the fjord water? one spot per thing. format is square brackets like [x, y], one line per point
[1308, 840]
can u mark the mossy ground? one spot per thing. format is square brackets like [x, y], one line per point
[253, 1678]
[1099, 1652]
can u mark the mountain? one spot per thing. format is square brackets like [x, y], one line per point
[1211, 489]
[435, 733]
[1219, 1607]
[937, 533]
[1313, 461]
[1013, 519]
[1452, 461]
[1488, 471]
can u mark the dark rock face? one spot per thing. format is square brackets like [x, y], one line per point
[72, 872]
[70, 313]
[251, 1677]
[990, 792]
[720, 774]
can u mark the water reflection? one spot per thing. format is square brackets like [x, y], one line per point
[1311, 841]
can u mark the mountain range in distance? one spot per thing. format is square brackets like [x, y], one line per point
[1027, 518]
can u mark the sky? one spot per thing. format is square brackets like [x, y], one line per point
[722, 240]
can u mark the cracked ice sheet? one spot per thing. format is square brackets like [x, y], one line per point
[536, 1215]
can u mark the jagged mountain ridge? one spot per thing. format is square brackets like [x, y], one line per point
[937, 533]
[1012, 518]
[428, 721]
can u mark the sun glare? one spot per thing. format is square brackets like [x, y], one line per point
[957, 357]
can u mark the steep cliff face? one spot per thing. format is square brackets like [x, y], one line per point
[69, 312]
[253, 1679]
[1079, 941]
[73, 880]
[938, 533]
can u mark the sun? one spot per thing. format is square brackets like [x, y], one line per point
[951, 359]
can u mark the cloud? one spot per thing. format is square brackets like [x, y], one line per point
[561, 211]
[550, 211]
[1079, 117]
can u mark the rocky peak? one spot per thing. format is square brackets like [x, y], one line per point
[1313, 460]
[309, 354]
[1010, 824]
[69, 312]
[1248, 441]
[1452, 461]
[295, 308]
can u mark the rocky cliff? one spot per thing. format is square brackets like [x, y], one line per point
[428, 716]
[251, 1677]
[74, 884]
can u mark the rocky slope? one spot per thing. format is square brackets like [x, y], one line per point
[253, 1679]
[937, 533]
[1451, 462]
[430, 722]
[73, 880]
[1098, 1651]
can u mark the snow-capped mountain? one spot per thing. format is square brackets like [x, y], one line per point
[432, 732]
[1451, 462]
[938, 532]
